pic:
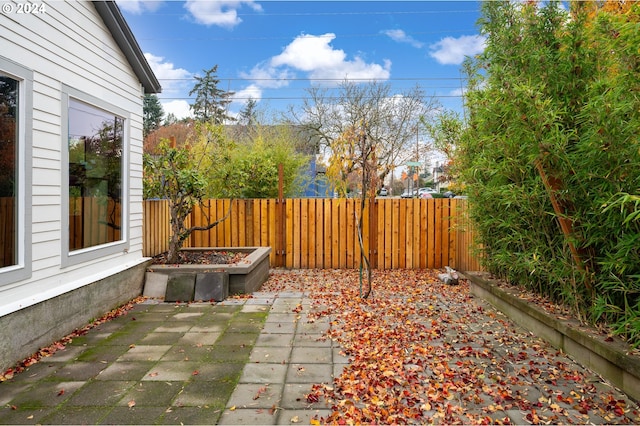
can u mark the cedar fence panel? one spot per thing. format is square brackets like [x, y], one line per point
[323, 233]
[7, 231]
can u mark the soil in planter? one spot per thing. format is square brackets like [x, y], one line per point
[203, 257]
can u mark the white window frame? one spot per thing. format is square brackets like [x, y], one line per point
[22, 269]
[75, 257]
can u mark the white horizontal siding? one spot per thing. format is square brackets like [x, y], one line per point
[45, 227]
[69, 45]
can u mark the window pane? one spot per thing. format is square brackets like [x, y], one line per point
[8, 173]
[95, 176]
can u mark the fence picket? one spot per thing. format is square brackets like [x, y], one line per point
[323, 233]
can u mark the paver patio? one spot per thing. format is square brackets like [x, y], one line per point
[294, 353]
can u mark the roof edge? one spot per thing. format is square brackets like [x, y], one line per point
[113, 19]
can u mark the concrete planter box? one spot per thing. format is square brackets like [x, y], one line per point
[245, 276]
[612, 359]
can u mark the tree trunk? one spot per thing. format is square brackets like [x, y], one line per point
[175, 242]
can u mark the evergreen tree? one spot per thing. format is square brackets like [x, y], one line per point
[170, 119]
[211, 102]
[152, 114]
[248, 113]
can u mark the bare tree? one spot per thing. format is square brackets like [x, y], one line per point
[391, 119]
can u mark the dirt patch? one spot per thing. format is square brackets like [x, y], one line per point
[204, 257]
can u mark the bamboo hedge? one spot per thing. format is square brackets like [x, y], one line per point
[551, 154]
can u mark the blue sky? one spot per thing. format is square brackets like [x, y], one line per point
[272, 50]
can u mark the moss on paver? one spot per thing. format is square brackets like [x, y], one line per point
[150, 394]
[230, 353]
[102, 353]
[158, 364]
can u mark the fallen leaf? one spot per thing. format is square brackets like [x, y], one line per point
[260, 392]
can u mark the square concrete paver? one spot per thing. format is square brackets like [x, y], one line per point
[287, 327]
[199, 338]
[136, 415]
[158, 394]
[212, 286]
[145, 353]
[79, 371]
[312, 355]
[100, 393]
[309, 373]
[282, 318]
[126, 370]
[289, 417]
[263, 373]
[171, 371]
[254, 308]
[46, 394]
[155, 285]
[270, 355]
[286, 306]
[180, 287]
[312, 340]
[248, 416]
[318, 329]
[294, 396]
[256, 395]
[204, 393]
[277, 340]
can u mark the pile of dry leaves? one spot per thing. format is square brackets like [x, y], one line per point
[424, 352]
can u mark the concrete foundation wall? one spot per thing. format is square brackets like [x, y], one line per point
[24, 332]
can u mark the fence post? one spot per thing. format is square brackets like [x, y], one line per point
[280, 220]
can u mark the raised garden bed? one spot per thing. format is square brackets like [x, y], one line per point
[611, 357]
[246, 275]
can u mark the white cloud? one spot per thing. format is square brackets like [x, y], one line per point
[402, 37]
[172, 79]
[452, 51]
[457, 92]
[179, 108]
[252, 91]
[268, 77]
[139, 6]
[223, 13]
[316, 56]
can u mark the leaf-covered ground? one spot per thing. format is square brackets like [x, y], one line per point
[424, 352]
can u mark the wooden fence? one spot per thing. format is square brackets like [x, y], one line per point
[322, 233]
[93, 221]
[7, 232]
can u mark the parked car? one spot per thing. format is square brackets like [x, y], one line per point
[383, 192]
[422, 192]
[449, 194]
[408, 194]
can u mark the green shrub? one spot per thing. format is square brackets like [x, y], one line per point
[558, 89]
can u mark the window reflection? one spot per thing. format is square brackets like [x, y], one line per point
[8, 173]
[95, 176]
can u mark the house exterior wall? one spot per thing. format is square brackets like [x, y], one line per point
[68, 46]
